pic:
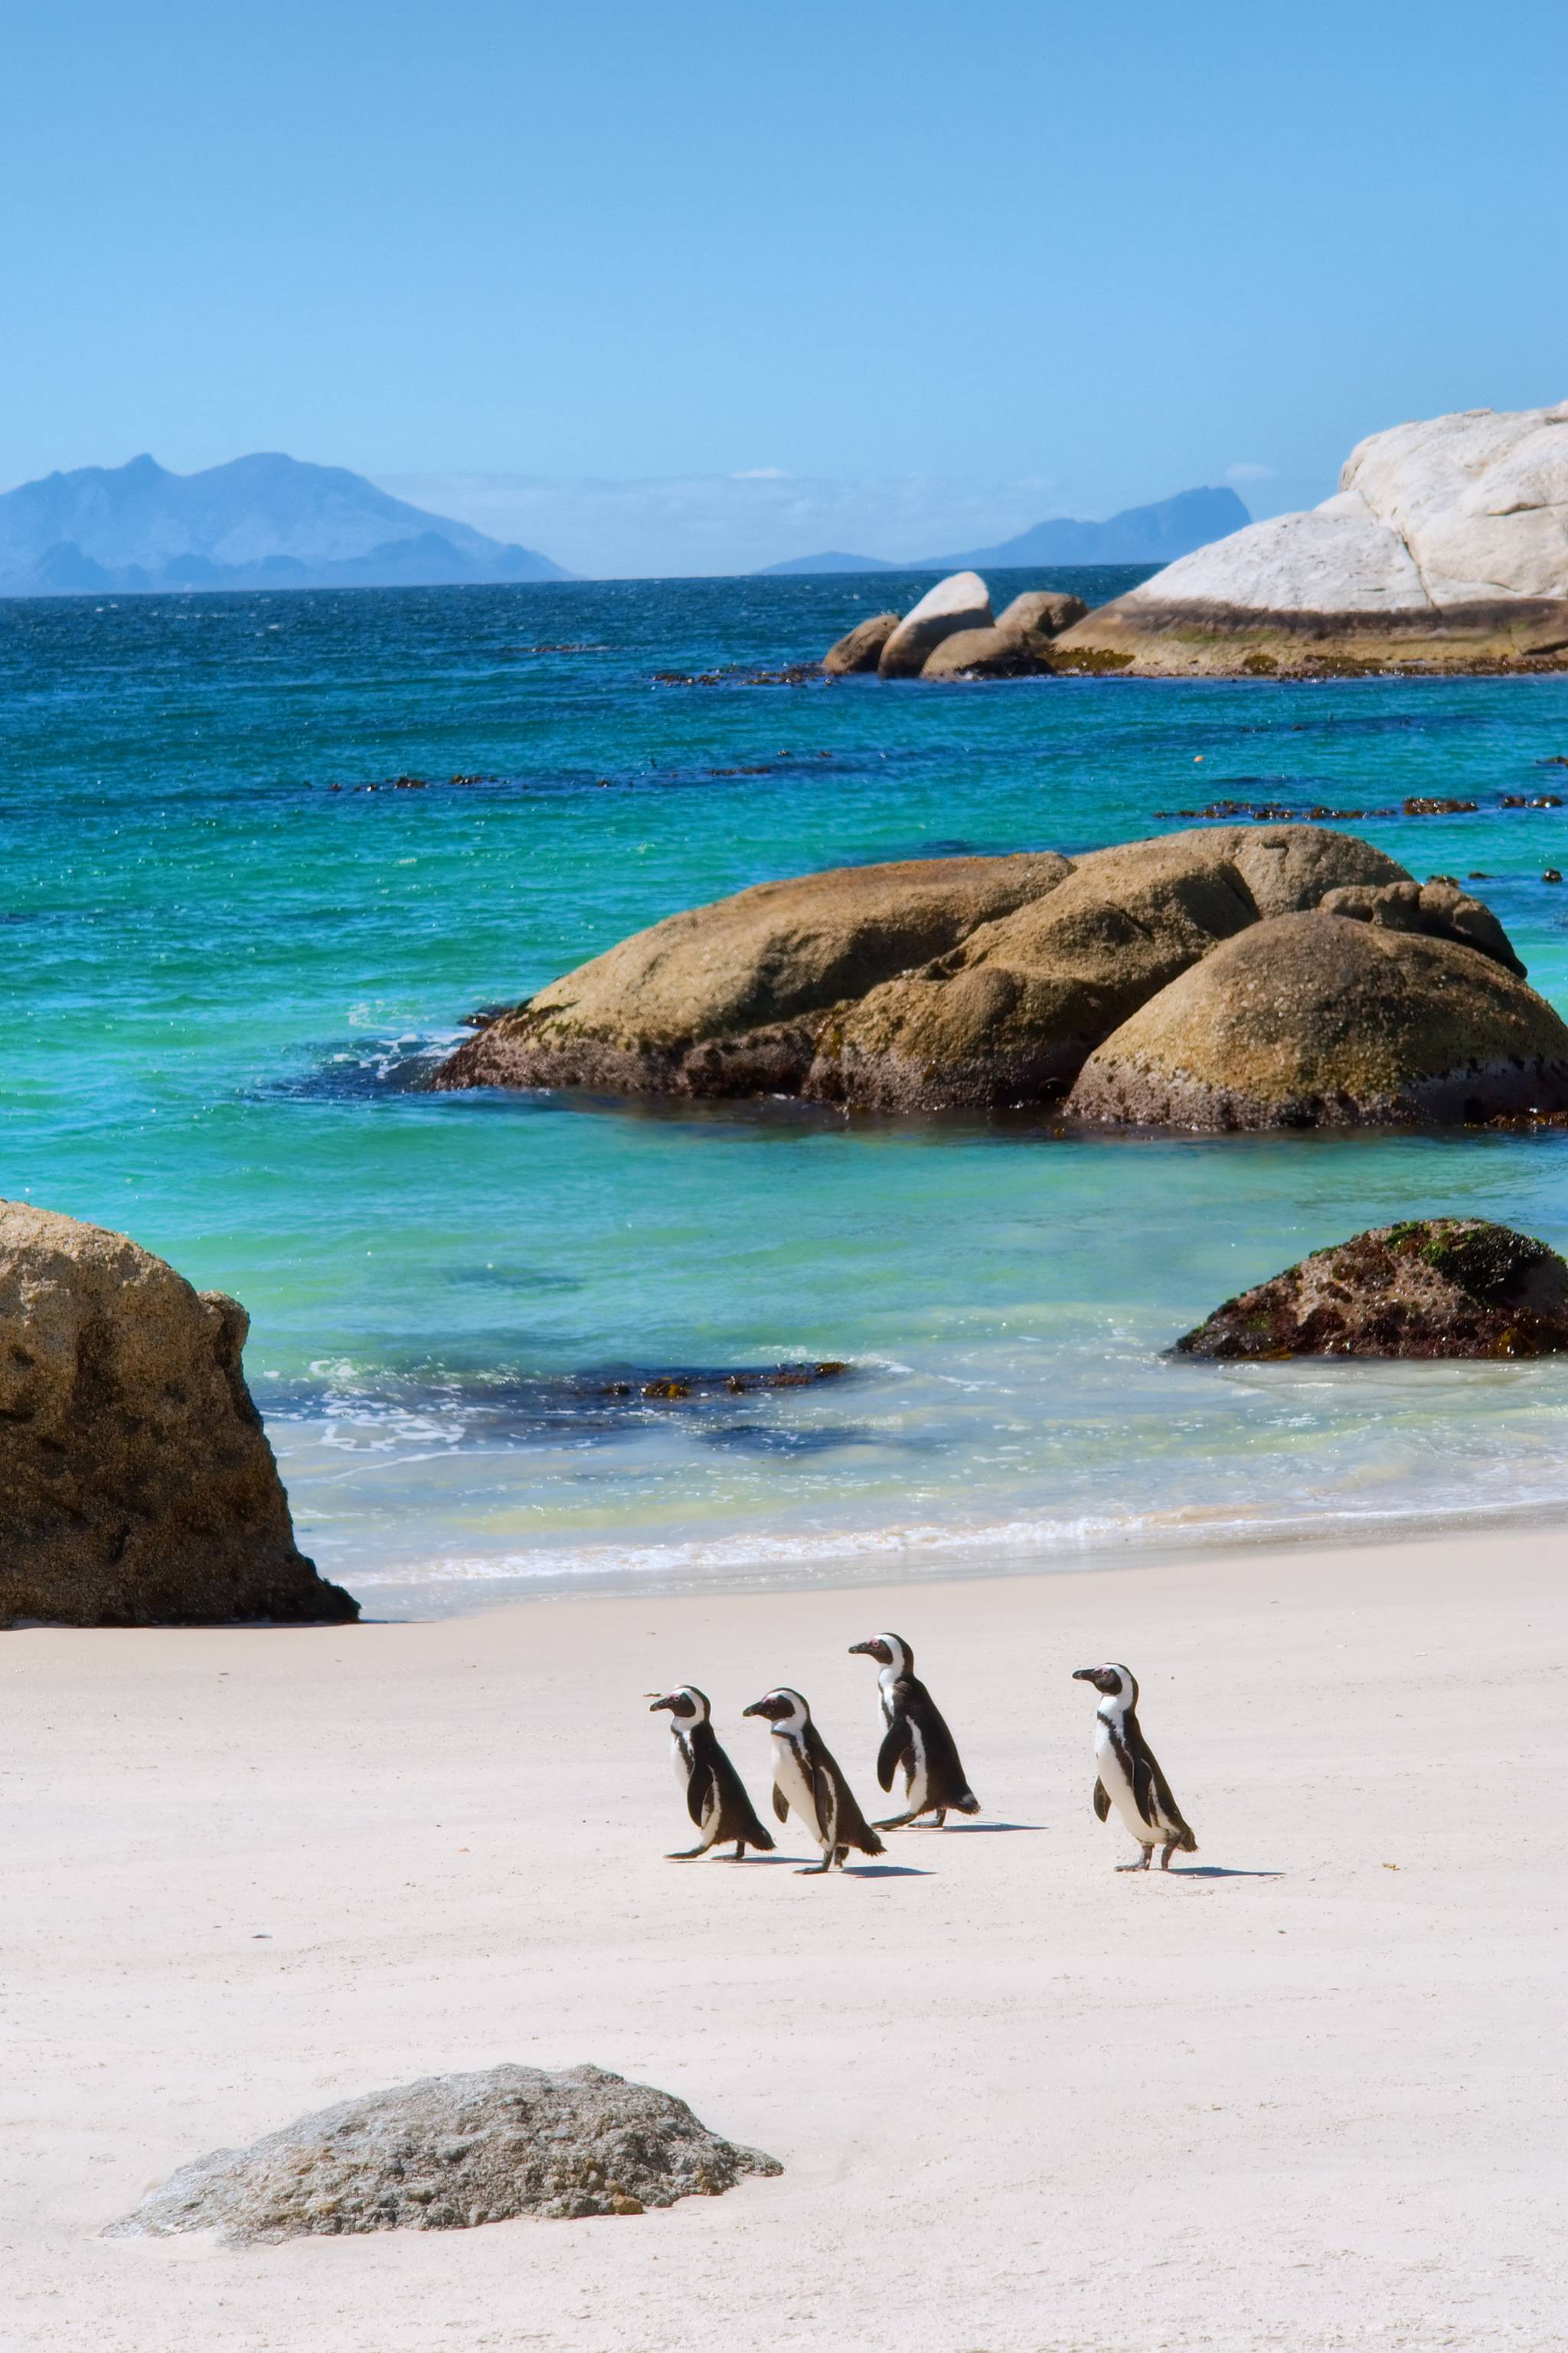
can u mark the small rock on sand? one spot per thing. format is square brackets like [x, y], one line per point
[452, 2151]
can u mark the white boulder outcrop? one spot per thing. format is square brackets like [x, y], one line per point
[1447, 543]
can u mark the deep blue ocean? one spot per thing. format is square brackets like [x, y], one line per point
[232, 941]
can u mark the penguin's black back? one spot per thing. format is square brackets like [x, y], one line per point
[1149, 1784]
[711, 1769]
[853, 1829]
[947, 1784]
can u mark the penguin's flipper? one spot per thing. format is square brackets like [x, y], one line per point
[1101, 1802]
[894, 1752]
[781, 1804]
[755, 1835]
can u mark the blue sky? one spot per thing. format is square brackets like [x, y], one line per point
[599, 261]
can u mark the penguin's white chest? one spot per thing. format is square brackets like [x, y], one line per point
[681, 1758]
[794, 1783]
[915, 1766]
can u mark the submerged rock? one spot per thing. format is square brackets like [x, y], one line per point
[1319, 1020]
[1429, 1287]
[137, 1487]
[453, 2151]
[960, 602]
[861, 648]
[1443, 548]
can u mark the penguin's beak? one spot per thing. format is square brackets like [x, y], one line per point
[1084, 1674]
[667, 1701]
[758, 1707]
[862, 1650]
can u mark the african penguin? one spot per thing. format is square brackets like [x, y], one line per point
[1130, 1777]
[715, 1795]
[807, 1777]
[917, 1738]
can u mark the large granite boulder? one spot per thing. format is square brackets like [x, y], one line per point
[727, 1000]
[1428, 1287]
[450, 2152]
[1009, 1017]
[137, 1487]
[1446, 547]
[962, 601]
[1325, 1021]
[986, 982]
[861, 648]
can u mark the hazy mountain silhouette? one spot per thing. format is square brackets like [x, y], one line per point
[1155, 534]
[1152, 534]
[265, 522]
[832, 562]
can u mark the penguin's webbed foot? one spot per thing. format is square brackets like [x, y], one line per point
[686, 1854]
[894, 1822]
[1141, 1865]
[816, 1870]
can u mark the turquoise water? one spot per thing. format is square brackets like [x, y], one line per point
[221, 976]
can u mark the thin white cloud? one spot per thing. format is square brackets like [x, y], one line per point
[1245, 471]
[761, 474]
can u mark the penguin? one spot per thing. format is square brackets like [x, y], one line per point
[917, 1738]
[807, 1777]
[1130, 1777]
[715, 1795]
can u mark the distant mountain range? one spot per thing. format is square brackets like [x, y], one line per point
[1152, 534]
[266, 522]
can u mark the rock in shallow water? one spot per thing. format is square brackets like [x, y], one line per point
[960, 602]
[1430, 1287]
[1322, 1020]
[727, 1000]
[973, 983]
[453, 2151]
[861, 648]
[137, 1487]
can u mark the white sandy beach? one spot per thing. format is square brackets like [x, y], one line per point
[1303, 2093]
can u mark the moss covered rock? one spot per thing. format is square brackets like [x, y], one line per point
[1428, 1287]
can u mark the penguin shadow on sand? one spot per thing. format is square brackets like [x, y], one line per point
[1130, 1782]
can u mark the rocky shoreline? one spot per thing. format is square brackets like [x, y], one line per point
[1444, 551]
